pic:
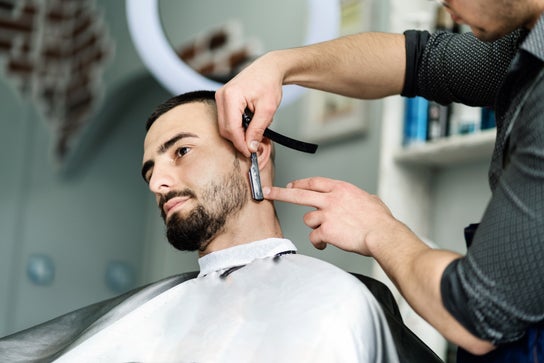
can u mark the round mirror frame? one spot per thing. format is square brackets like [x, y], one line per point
[177, 77]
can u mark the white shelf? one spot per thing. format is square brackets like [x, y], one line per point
[449, 151]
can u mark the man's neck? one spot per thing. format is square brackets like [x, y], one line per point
[254, 223]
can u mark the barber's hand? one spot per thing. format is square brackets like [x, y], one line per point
[258, 87]
[345, 216]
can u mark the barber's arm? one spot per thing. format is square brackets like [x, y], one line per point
[353, 220]
[365, 65]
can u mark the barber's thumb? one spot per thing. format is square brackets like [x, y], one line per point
[253, 145]
[254, 135]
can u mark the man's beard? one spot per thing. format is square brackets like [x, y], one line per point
[219, 200]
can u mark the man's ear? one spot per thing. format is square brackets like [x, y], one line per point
[265, 152]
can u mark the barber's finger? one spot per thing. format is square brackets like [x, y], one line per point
[316, 184]
[263, 114]
[229, 118]
[312, 219]
[293, 195]
[316, 240]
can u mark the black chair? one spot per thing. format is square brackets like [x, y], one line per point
[410, 348]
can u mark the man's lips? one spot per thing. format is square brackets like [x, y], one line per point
[172, 204]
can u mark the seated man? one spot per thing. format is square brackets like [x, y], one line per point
[254, 299]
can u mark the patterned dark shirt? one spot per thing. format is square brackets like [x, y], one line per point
[497, 290]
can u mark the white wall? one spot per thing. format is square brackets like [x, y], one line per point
[460, 196]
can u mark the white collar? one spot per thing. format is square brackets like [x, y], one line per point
[243, 254]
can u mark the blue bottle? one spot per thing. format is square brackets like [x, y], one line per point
[415, 121]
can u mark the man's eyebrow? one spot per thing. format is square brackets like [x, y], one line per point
[164, 148]
[168, 144]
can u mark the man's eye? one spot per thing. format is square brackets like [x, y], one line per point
[182, 151]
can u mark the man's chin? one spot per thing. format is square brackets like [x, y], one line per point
[177, 216]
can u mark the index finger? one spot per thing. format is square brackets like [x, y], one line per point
[293, 195]
[316, 184]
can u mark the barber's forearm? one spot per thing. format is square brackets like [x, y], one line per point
[416, 270]
[365, 65]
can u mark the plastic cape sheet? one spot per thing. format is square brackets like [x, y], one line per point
[291, 308]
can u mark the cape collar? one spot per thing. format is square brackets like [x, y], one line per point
[243, 254]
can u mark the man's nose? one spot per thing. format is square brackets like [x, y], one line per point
[162, 180]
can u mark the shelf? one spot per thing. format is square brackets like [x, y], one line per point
[449, 151]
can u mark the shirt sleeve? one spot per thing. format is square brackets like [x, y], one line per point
[447, 67]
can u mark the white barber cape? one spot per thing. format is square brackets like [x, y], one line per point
[250, 303]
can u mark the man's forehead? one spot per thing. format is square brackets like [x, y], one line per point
[196, 118]
[190, 117]
[192, 113]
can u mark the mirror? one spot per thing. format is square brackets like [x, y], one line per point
[218, 38]
[155, 27]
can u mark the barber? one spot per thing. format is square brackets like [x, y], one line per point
[489, 302]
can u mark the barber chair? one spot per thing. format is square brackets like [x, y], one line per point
[410, 348]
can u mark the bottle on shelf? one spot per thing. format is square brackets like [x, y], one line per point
[488, 118]
[465, 119]
[415, 121]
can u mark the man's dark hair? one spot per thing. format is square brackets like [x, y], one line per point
[194, 96]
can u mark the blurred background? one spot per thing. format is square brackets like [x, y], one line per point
[77, 223]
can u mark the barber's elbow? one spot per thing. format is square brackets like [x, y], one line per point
[478, 347]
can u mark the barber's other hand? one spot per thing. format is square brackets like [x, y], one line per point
[258, 87]
[344, 216]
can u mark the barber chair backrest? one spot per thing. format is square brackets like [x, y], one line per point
[410, 348]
